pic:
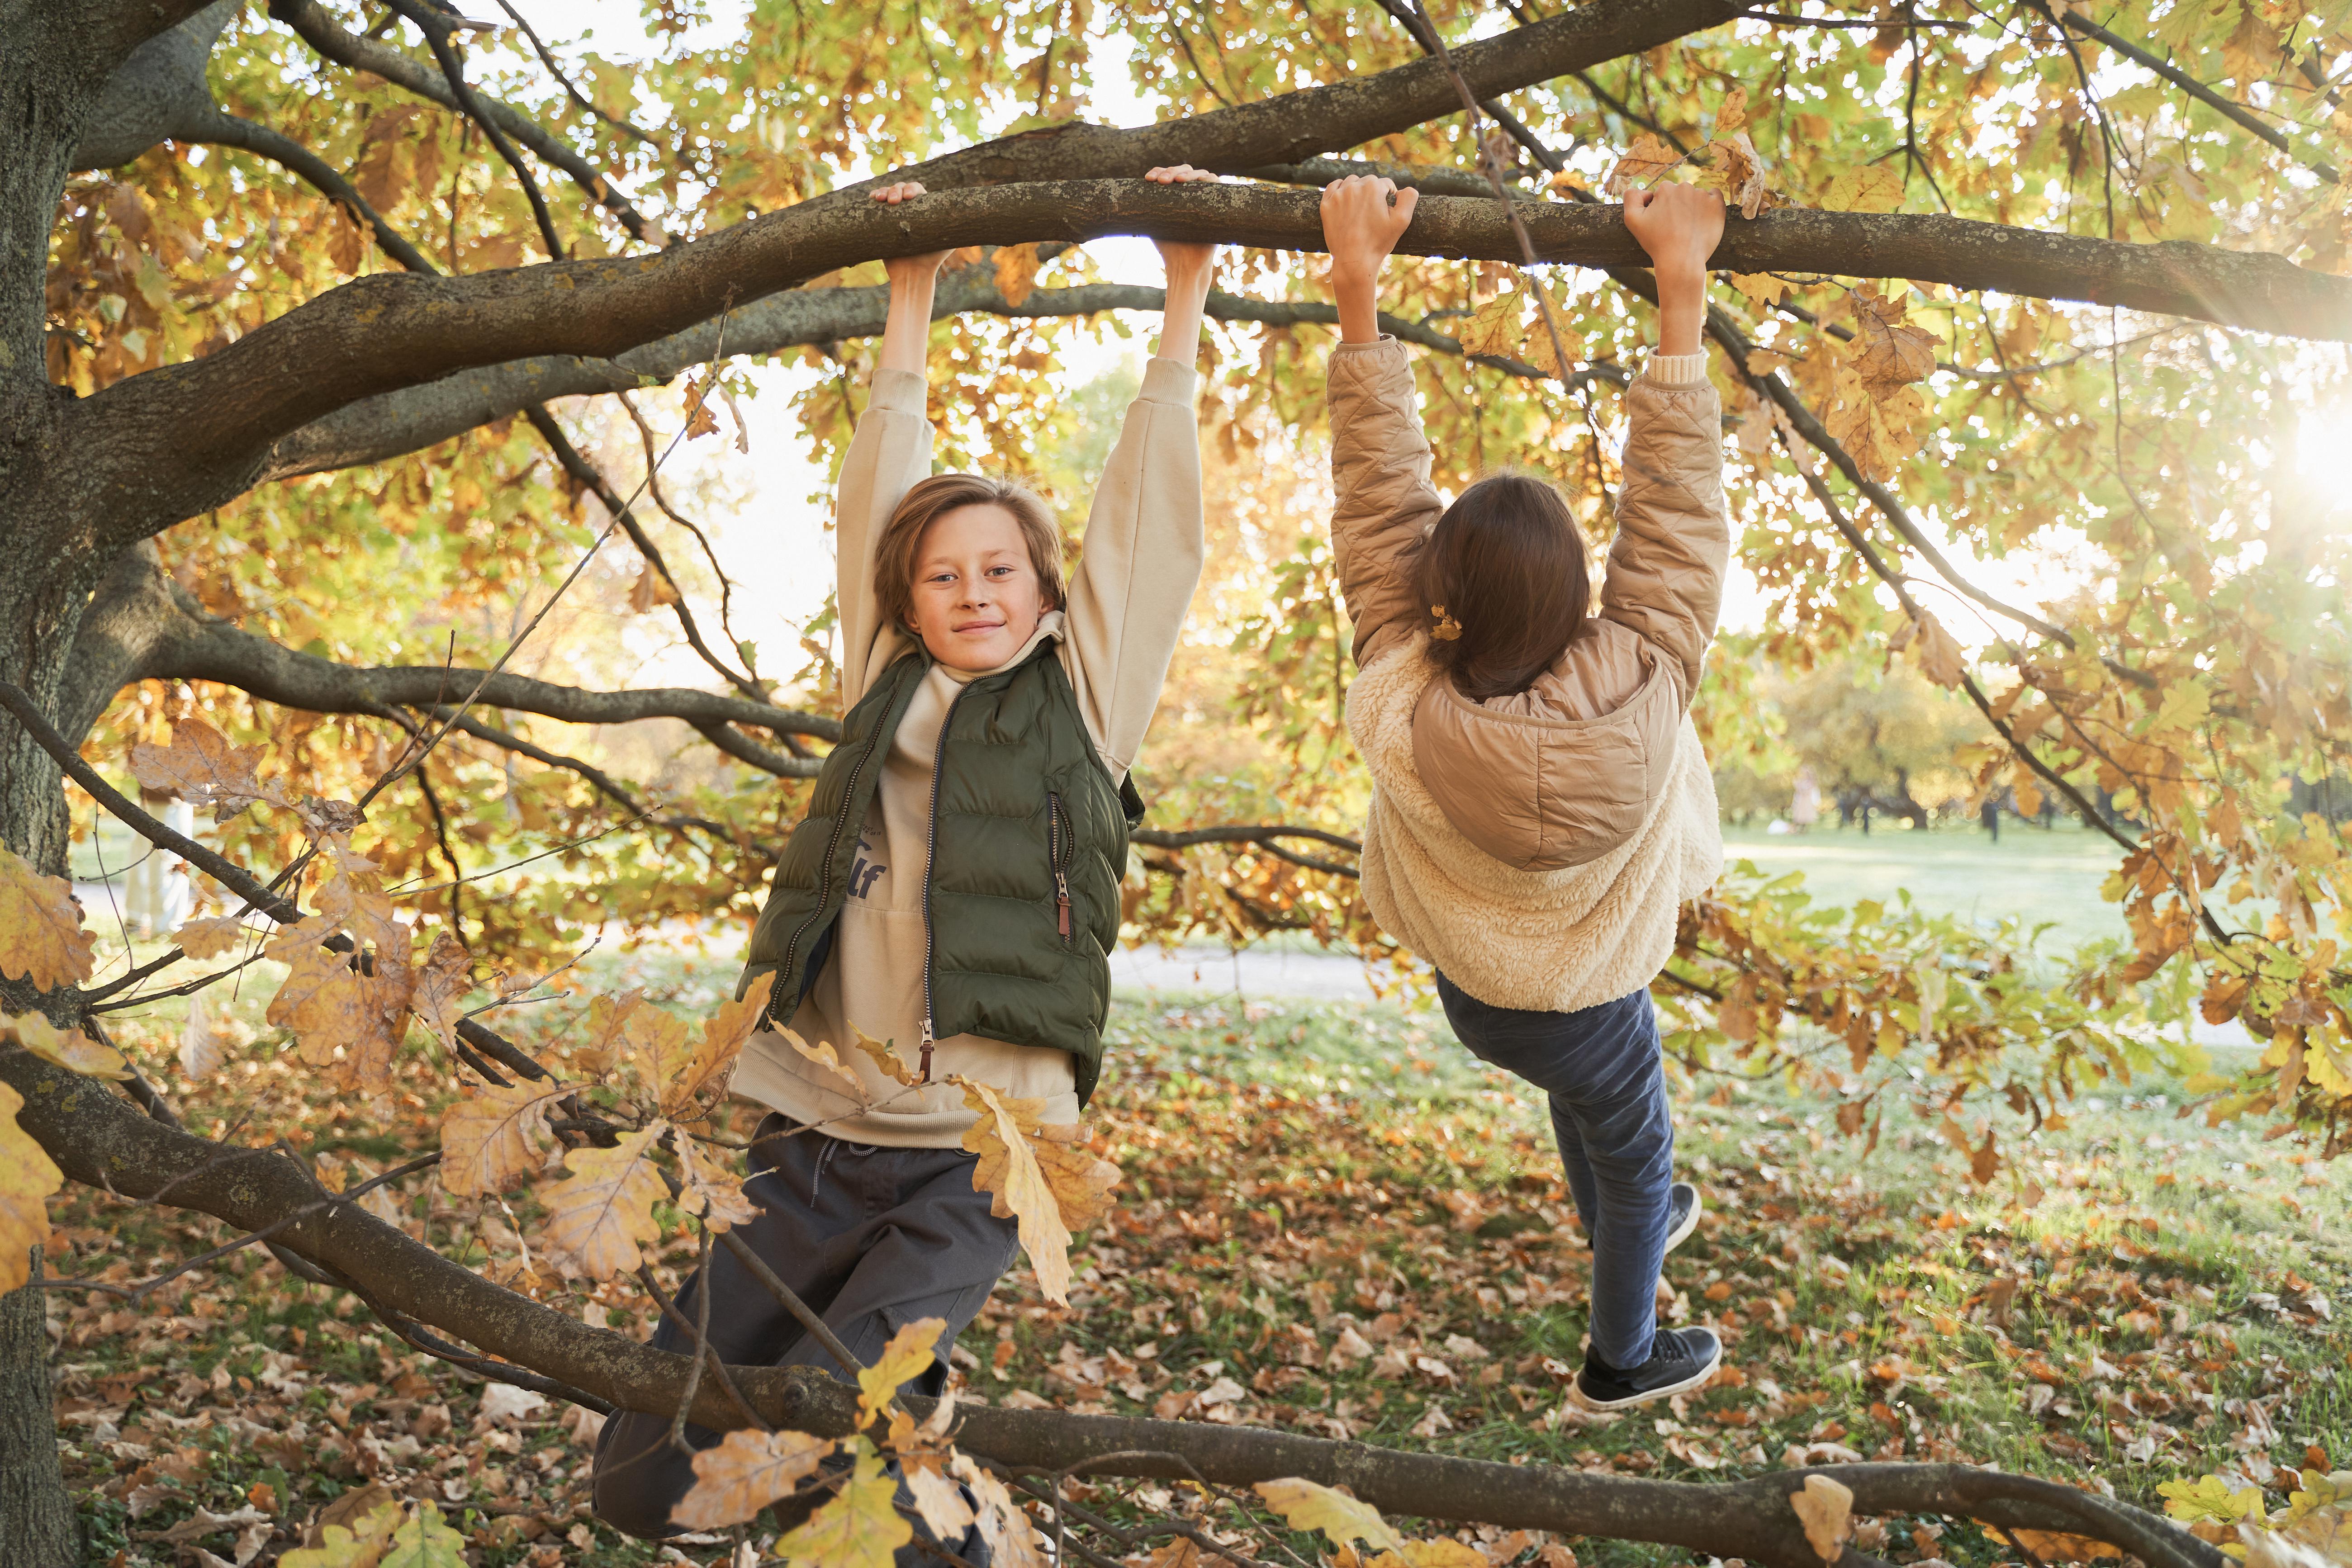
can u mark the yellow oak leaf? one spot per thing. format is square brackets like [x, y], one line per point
[347, 1023]
[941, 1502]
[1016, 272]
[655, 1049]
[1306, 1505]
[1733, 115]
[41, 935]
[1443, 1553]
[209, 938]
[710, 1189]
[860, 1528]
[69, 1048]
[494, 1137]
[1826, 1510]
[2055, 1546]
[360, 1543]
[823, 1055]
[442, 982]
[909, 1354]
[1494, 327]
[426, 1541]
[883, 1055]
[353, 898]
[1873, 188]
[27, 1177]
[201, 767]
[1537, 349]
[604, 1042]
[1081, 1180]
[744, 1474]
[2027, 796]
[1009, 1170]
[1878, 430]
[1647, 159]
[699, 1081]
[1012, 1540]
[1762, 290]
[1940, 658]
[1735, 170]
[599, 1217]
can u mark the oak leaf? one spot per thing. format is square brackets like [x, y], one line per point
[442, 982]
[426, 1542]
[1443, 1553]
[1009, 1169]
[1012, 1540]
[203, 768]
[860, 1528]
[823, 1056]
[606, 1040]
[1877, 431]
[493, 1139]
[941, 1502]
[885, 1056]
[1826, 1510]
[599, 1217]
[41, 935]
[357, 1542]
[68, 1048]
[1873, 188]
[27, 1177]
[1081, 1179]
[745, 1472]
[209, 938]
[1016, 272]
[1733, 115]
[1494, 327]
[910, 1353]
[1761, 289]
[1887, 351]
[1941, 658]
[1644, 162]
[710, 1190]
[2056, 1546]
[700, 422]
[698, 1081]
[1307, 1505]
[1735, 169]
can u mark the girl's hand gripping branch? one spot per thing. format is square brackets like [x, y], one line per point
[1680, 226]
[1363, 218]
[1189, 267]
[906, 335]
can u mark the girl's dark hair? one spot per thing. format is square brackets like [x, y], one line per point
[1505, 565]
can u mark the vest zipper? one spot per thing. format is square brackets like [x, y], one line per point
[931, 853]
[824, 881]
[1061, 874]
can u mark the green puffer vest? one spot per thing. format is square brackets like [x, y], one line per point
[1028, 846]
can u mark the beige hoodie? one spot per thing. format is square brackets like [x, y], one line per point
[1138, 567]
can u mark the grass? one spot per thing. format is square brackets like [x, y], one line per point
[2051, 875]
[1303, 1182]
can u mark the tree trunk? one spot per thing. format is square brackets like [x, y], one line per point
[36, 1517]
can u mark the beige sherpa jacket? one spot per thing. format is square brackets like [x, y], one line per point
[1534, 847]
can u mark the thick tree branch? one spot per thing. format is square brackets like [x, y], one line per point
[379, 334]
[320, 31]
[198, 646]
[101, 1140]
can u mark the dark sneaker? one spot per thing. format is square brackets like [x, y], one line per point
[1683, 1208]
[1680, 1360]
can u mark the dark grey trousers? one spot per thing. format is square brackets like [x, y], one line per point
[873, 1239]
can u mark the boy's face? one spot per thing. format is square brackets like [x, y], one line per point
[977, 597]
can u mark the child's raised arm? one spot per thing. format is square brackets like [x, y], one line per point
[1665, 570]
[1383, 505]
[1143, 548]
[891, 452]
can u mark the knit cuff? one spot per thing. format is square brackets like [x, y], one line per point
[901, 391]
[1677, 370]
[1169, 381]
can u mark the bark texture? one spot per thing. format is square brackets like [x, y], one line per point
[36, 1520]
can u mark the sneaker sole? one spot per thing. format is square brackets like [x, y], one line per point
[1682, 1232]
[1698, 1379]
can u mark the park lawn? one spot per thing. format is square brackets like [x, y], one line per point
[1297, 1174]
[2038, 875]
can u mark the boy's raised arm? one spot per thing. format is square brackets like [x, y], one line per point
[891, 452]
[1383, 505]
[1143, 549]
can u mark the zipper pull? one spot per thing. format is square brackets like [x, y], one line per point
[1062, 903]
[926, 1051]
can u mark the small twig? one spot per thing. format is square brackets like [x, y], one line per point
[718, 1368]
[818, 1328]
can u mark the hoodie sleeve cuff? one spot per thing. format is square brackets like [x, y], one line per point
[900, 391]
[1676, 370]
[1169, 381]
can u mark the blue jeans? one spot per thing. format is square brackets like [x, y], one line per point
[1603, 1070]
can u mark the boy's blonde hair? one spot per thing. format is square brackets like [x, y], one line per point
[902, 536]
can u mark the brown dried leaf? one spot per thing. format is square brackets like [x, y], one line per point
[41, 935]
[599, 1217]
[710, 1189]
[744, 1474]
[700, 422]
[1940, 654]
[1016, 272]
[1494, 327]
[699, 1081]
[201, 767]
[1826, 1510]
[1887, 351]
[1012, 1540]
[1734, 169]
[1761, 289]
[1644, 162]
[1081, 1181]
[209, 938]
[894, 1066]
[442, 982]
[27, 1177]
[496, 1137]
[1008, 1169]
